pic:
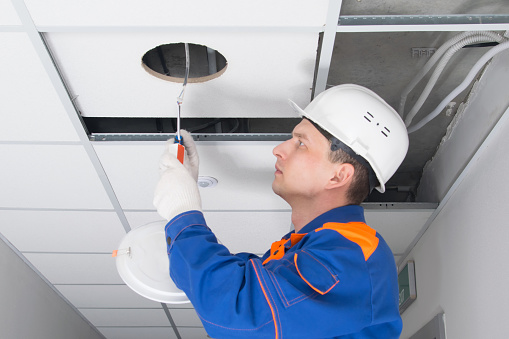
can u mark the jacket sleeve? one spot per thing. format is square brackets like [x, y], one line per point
[237, 296]
[225, 289]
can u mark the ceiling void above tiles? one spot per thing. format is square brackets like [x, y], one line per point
[31, 109]
[394, 7]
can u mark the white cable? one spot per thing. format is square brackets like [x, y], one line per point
[435, 57]
[468, 79]
[180, 98]
[438, 71]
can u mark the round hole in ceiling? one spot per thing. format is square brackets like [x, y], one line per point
[168, 62]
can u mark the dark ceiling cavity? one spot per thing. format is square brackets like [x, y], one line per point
[168, 62]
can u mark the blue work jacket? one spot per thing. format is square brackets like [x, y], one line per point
[335, 278]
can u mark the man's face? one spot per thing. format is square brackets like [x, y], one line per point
[302, 167]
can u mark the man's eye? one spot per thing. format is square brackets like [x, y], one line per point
[301, 144]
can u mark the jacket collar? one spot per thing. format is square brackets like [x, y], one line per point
[342, 214]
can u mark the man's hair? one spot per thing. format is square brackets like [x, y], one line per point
[359, 187]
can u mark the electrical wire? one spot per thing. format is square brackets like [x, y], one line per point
[440, 67]
[436, 56]
[180, 98]
[468, 79]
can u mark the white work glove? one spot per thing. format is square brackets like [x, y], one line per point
[177, 190]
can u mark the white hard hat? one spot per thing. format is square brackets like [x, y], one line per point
[364, 122]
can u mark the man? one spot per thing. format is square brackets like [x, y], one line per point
[334, 277]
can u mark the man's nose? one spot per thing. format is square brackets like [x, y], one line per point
[278, 151]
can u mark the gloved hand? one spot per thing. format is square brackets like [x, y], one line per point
[177, 191]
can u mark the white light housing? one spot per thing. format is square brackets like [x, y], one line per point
[143, 264]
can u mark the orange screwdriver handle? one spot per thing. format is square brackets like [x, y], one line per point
[180, 153]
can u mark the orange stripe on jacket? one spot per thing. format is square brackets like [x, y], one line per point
[357, 232]
[278, 249]
[267, 298]
[310, 284]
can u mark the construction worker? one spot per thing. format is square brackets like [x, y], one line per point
[334, 276]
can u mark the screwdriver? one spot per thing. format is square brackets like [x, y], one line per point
[180, 100]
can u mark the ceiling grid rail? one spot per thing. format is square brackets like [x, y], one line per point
[422, 23]
[56, 79]
[327, 46]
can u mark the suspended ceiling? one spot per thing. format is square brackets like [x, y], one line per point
[66, 202]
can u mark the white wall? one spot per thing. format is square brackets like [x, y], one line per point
[29, 308]
[461, 261]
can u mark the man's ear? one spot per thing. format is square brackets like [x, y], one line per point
[342, 175]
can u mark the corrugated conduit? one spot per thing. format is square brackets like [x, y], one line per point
[448, 49]
[468, 79]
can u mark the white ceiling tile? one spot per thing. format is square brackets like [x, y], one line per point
[8, 15]
[64, 231]
[245, 171]
[138, 332]
[68, 268]
[397, 227]
[31, 108]
[126, 317]
[185, 317]
[188, 13]
[132, 170]
[43, 176]
[137, 219]
[192, 333]
[251, 232]
[264, 70]
[105, 296]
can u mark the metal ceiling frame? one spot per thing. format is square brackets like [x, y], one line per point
[422, 23]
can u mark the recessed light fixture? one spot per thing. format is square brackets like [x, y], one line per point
[207, 182]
